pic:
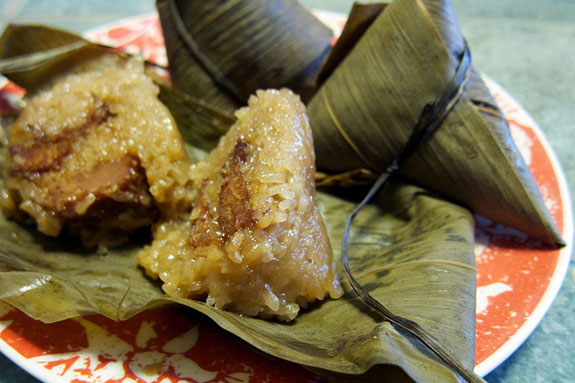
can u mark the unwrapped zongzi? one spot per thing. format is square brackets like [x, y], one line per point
[97, 153]
[255, 242]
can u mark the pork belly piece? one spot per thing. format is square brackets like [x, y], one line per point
[255, 242]
[97, 153]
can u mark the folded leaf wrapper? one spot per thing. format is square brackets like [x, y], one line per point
[414, 252]
[33, 54]
[223, 51]
[365, 110]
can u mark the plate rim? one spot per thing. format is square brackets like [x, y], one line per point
[563, 257]
[34, 369]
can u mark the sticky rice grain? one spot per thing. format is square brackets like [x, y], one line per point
[255, 242]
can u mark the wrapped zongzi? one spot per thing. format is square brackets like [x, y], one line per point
[392, 65]
[223, 51]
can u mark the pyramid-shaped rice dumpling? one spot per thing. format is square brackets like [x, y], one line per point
[255, 242]
[223, 51]
[366, 109]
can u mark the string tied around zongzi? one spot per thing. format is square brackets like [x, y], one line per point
[430, 120]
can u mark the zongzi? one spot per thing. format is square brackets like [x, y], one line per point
[95, 152]
[372, 97]
[223, 51]
[255, 242]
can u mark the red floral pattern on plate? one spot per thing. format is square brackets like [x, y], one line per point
[517, 280]
[168, 345]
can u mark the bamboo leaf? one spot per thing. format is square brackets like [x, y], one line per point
[415, 254]
[363, 114]
[199, 123]
[431, 118]
[359, 19]
[347, 179]
[413, 251]
[32, 54]
[224, 51]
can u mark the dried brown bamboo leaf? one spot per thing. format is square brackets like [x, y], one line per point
[33, 54]
[363, 114]
[347, 179]
[223, 51]
[199, 123]
[359, 19]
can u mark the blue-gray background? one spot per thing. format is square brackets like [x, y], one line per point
[527, 46]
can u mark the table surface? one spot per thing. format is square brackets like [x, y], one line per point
[527, 46]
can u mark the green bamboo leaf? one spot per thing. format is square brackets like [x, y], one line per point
[364, 113]
[224, 51]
